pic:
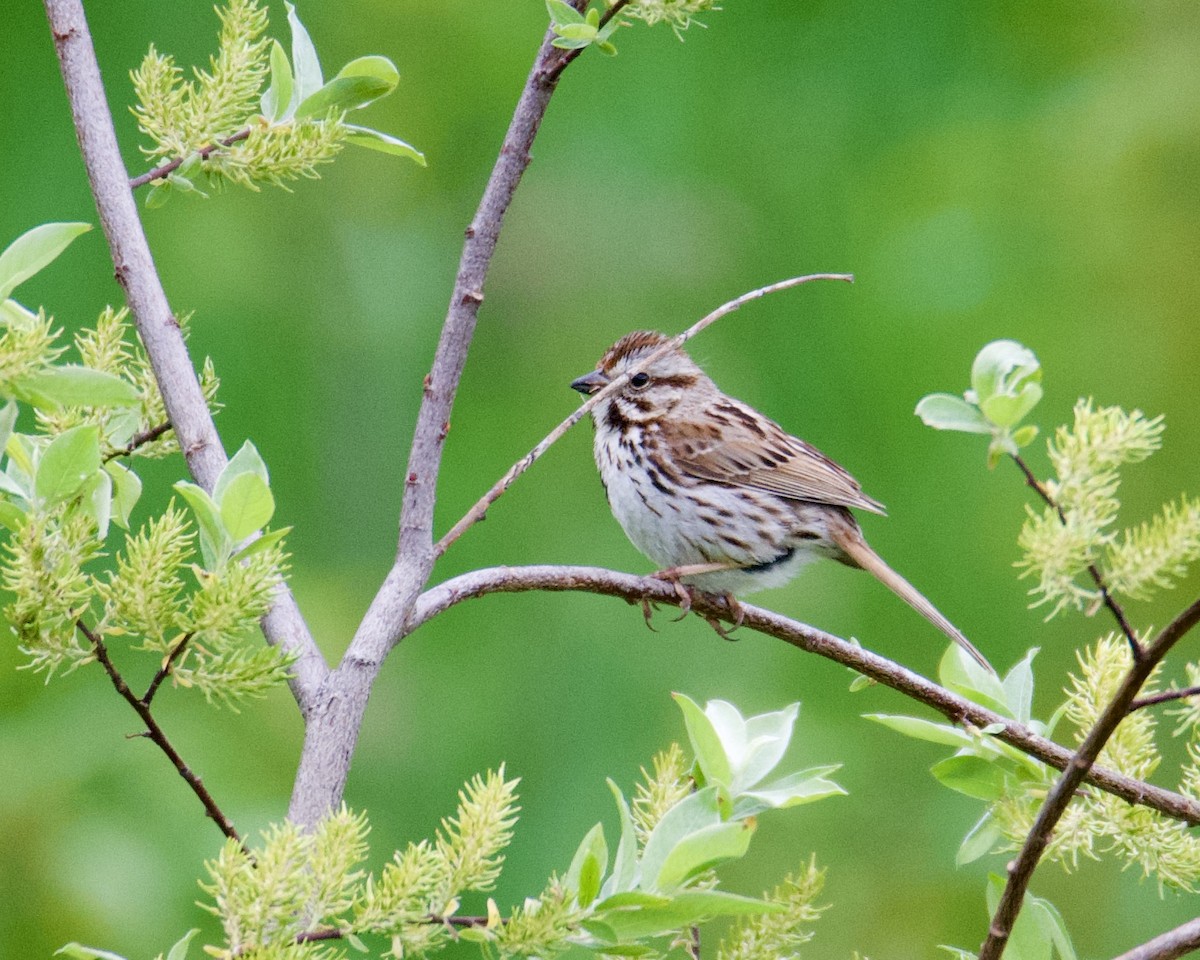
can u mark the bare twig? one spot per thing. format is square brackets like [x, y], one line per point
[1166, 696]
[154, 733]
[1020, 870]
[1167, 946]
[139, 440]
[1097, 577]
[332, 729]
[172, 165]
[634, 589]
[164, 671]
[186, 406]
[476, 513]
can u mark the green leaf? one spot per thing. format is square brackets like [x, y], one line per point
[259, 544]
[308, 78]
[1018, 688]
[1025, 435]
[961, 674]
[1026, 940]
[624, 870]
[375, 66]
[692, 814]
[706, 744]
[246, 506]
[920, 729]
[563, 13]
[860, 682]
[77, 951]
[33, 250]
[768, 736]
[97, 500]
[180, 948]
[1052, 925]
[74, 386]
[978, 842]
[127, 490]
[215, 543]
[246, 460]
[12, 516]
[385, 143]
[699, 851]
[1003, 367]
[1007, 411]
[340, 95]
[564, 44]
[972, 776]
[588, 866]
[72, 457]
[277, 100]
[584, 32]
[804, 786]
[678, 912]
[606, 48]
[8, 420]
[944, 411]
[158, 194]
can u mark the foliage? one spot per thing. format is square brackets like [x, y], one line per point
[223, 127]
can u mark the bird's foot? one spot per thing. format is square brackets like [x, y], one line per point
[648, 614]
[737, 616]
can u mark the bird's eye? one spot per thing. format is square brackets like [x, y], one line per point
[639, 380]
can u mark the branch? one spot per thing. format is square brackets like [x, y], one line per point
[187, 409]
[171, 166]
[1167, 946]
[332, 729]
[477, 512]
[155, 733]
[165, 670]
[1020, 870]
[139, 440]
[1165, 696]
[635, 589]
[1097, 577]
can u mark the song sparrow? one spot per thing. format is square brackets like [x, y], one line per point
[696, 477]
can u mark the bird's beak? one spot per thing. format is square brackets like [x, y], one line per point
[591, 382]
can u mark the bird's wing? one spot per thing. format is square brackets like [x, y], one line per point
[745, 449]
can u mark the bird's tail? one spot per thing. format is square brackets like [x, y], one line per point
[859, 552]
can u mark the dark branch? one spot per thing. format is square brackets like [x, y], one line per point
[1106, 596]
[170, 167]
[165, 670]
[955, 708]
[1167, 946]
[155, 734]
[1166, 696]
[139, 440]
[1020, 870]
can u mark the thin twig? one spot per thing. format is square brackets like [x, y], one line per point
[1167, 946]
[1097, 577]
[155, 734]
[139, 440]
[1166, 696]
[634, 589]
[186, 406]
[1020, 870]
[171, 166]
[476, 513]
[165, 670]
[570, 55]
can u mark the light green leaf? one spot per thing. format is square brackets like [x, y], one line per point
[158, 194]
[246, 460]
[1026, 940]
[961, 674]
[944, 411]
[33, 250]
[380, 68]
[97, 500]
[706, 744]
[678, 912]
[972, 776]
[1025, 435]
[1018, 688]
[215, 543]
[72, 457]
[624, 871]
[340, 95]
[74, 386]
[8, 421]
[978, 842]
[699, 851]
[259, 544]
[768, 736]
[920, 729]
[804, 786]
[1007, 411]
[307, 67]
[588, 866]
[180, 948]
[77, 951]
[12, 516]
[584, 32]
[385, 143]
[1003, 367]
[246, 506]
[605, 47]
[127, 490]
[277, 100]
[1052, 925]
[692, 814]
[563, 13]
[564, 44]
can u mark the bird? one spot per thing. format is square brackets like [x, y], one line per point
[719, 495]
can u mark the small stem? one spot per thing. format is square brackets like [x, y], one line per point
[155, 733]
[139, 440]
[171, 166]
[1165, 697]
[693, 945]
[570, 55]
[165, 670]
[1097, 577]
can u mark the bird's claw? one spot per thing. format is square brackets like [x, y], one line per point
[737, 616]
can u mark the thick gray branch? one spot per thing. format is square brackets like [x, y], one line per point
[634, 589]
[1167, 946]
[333, 729]
[136, 273]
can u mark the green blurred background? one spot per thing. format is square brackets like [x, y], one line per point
[992, 169]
